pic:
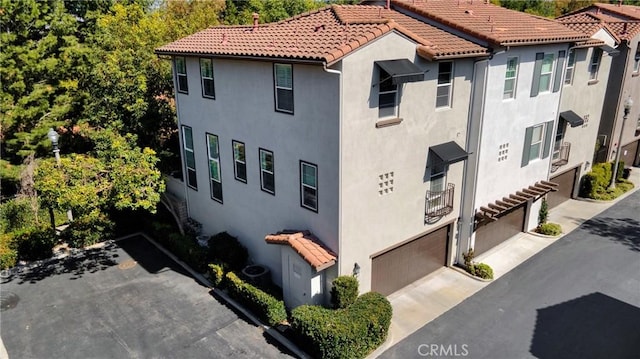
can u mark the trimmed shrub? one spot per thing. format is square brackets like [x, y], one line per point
[595, 184]
[344, 291]
[87, 230]
[8, 253]
[35, 243]
[483, 271]
[343, 333]
[265, 306]
[15, 215]
[550, 229]
[543, 214]
[182, 246]
[227, 249]
[216, 272]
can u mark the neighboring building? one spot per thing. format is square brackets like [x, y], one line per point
[585, 83]
[513, 114]
[348, 122]
[624, 78]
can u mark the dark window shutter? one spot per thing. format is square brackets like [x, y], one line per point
[527, 146]
[537, 70]
[557, 81]
[548, 140]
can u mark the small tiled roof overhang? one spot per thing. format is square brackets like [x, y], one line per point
[307, 246]
[591, 19]
[322, 36]
[491, 23]
[492, 211]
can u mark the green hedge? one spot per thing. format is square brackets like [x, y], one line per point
[595, 184]
[550, 229]
[182, 246]
[265, 306]
[225, 248]
[88, 229]
[216, 272]
[8, 252]
[35, 243]
[344, 291]
[353, 332]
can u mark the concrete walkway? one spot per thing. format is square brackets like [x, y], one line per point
[426, 299]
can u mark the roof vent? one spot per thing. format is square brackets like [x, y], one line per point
[256, 16]
[224, 38]
[624, 29]
[318, 28]
[470, 12]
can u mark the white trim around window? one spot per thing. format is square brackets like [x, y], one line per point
[309, 186]
[594, 64]
[571, 64]
[444, 88]
[510, 78]
[546, 73]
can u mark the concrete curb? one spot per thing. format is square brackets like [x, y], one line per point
[204, 281]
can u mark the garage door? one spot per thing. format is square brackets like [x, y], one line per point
[565, 183]
[630, 154]
[494, 233]
[411, 261]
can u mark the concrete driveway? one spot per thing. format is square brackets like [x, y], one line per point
[126, 300]
[578, 298]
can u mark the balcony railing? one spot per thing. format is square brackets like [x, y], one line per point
[561, 156]
[438, 204]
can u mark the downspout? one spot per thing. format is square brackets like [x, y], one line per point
[619, 100]
[470, 180]
[339, 73]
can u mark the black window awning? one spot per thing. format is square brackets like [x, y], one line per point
[449, 152]
[401, 71]
[572, 118]
[610, 50]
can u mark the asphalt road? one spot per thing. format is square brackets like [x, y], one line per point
[578, 298]
[127, 300]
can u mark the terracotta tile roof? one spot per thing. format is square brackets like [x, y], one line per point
[491, 23]
[626, 11]
[324, 35]
[307, 246]
[592, 19]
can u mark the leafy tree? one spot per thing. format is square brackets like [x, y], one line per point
[115, 175]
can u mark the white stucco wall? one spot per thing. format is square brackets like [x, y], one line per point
[244, 111]
[505, 122]
[372, 222]
[585, 98]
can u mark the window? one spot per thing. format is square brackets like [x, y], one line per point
[267, 177]
[206, 75]
[181, 74]
[537, 142]
[387, 96]
[594, 65]
[189, 156]
[445, 82]
[510, 78]
[562, 126]
[636, 59]
[284, 87]
[214, 167]
[309, 186]
[239, 161]
[545, 73]
[437, 181]
[571, 63]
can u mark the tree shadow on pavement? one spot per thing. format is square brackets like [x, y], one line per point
[76, 264]
[622, 230]
[592, 326]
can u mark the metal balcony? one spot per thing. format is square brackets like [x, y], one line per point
[561, 157]
[439, 204]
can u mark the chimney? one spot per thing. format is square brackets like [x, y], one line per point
[255, 20]
[624, 29]
[620, 3]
